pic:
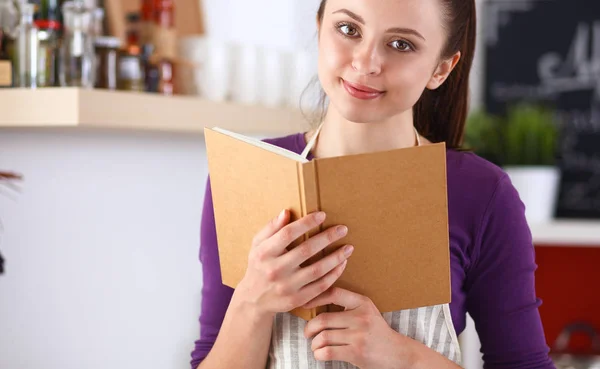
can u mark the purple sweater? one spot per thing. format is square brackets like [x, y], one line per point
[492, 265]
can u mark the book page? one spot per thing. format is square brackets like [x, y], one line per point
[264, 145]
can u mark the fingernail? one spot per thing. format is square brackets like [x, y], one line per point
[348, 250]
[320, 216]
[342, 230]
[281, 215]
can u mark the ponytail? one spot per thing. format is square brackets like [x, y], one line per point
[440, 115]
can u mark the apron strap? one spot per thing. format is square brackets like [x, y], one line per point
[311, 143]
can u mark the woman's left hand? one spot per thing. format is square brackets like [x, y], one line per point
[359, 335]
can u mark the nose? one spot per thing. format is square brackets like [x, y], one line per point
[367, 59]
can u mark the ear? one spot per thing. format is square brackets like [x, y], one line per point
[442, 71]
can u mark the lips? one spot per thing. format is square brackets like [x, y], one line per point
[360, 91]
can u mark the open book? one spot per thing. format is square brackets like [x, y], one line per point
[393, 202]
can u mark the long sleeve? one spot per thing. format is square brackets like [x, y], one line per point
[215, 296]
[500, 287]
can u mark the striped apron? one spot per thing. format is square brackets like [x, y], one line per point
[431, 325]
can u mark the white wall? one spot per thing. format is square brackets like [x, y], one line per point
[101, 250]
[253, 22]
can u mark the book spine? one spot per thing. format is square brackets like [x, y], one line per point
[309, 200]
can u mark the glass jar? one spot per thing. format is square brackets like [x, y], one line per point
[48, 48]
[26, 49]
[77, 50]
[107, 59]
[131, 72]
[6, 74]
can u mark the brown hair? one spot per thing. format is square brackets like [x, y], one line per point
[441, 114]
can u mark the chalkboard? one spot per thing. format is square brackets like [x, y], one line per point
[549, 51]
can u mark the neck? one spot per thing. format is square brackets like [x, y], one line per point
[340, 136]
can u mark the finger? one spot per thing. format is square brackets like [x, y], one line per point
[337, 296]
[271, 228]
[288, 234]
[344, 353]
[315, 271]
[334, 337]
[326, 321]
[311, 290]
[310, 247]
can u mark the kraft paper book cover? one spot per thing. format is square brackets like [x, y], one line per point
[394, 204]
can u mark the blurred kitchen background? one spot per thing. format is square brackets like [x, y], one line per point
[103, 165]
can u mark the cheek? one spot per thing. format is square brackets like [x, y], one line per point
[334, 56]
[408, 78]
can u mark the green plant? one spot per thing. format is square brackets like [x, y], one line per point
[482, 135]
[526, 136]
[530, 136]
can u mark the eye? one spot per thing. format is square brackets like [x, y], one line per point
[347, 29]
[401, 45]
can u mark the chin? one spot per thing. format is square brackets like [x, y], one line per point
[358, 111]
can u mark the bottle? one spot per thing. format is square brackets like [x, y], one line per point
[146, 22]
[26, 49]
[48, 50]
[77, 49]
[165, 39]
[131, 62]
[133, 45]
[6, 72]
[151, 78]
[107, 59]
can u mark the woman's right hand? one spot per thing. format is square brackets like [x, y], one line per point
[275, 281]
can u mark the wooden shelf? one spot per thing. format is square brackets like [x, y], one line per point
[75, 107]
[579, 233]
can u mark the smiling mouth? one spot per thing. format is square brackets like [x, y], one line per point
[360, 91]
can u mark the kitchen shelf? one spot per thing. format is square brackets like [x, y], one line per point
[92, 108]
[577, 233]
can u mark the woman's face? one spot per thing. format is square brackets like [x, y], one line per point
[377, 57]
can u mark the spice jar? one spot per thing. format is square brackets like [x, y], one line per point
[130, 72]
[48, 48]
[107, 59]
[77, 49]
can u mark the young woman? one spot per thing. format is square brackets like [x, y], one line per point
[396, 74]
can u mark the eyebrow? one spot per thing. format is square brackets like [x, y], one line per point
[360, 19]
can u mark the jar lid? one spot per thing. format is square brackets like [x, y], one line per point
[47, 24]
[108, 42]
